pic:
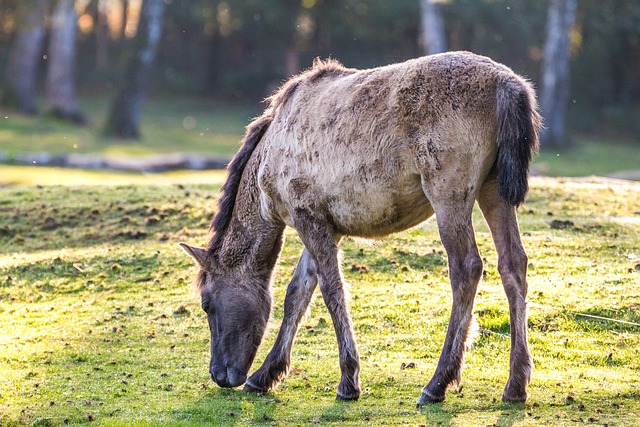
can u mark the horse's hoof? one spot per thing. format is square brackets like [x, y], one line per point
[347, 398]
[514, 392]
[249, 388]
[427, 397]
[517, 398]
[348, 390]
[348, 393]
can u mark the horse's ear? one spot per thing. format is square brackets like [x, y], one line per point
[199, 255]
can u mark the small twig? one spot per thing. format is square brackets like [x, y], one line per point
[607, 318]
[592, 316]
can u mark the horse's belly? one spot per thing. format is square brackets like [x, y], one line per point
[375, 212]
[373, 207]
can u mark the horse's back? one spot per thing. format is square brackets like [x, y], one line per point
[358, 145]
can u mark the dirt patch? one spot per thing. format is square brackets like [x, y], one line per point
[558, 224]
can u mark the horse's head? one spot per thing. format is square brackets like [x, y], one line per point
[237, 310]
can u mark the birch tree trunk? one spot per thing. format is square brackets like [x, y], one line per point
[125, 16]
[554, 96]
[60, 91]
[124, 118]
[433, 39]
[22, 67]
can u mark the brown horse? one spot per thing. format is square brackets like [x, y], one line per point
[342, 152]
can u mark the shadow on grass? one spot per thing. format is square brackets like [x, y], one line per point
[407, 259]
[223, 407]
[511, 414]
[439, 414]
[436, 414]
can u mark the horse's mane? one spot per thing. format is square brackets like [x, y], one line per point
[255, 131]
[321, 68]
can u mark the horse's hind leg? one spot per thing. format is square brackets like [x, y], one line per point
[296, 302]
[465, 269]
[512, 266]
[321, 242]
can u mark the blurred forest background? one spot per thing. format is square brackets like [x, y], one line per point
[93, 62]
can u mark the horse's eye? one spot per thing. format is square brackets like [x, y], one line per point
[205, 306]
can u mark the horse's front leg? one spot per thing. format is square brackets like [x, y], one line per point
[465, 270]
[322, 243]
[299, 293]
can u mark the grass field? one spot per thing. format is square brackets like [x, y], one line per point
[99, 323]
[168, 125]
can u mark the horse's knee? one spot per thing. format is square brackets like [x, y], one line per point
[513, 270]
[465, 276]
[475, 267]
[467, 271]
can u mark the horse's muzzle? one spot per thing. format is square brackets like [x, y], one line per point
[228, 378]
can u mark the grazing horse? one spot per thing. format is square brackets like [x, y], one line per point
[344, 152]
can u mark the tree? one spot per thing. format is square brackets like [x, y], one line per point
[432, 34]
[554, 96]
[124, 118]
[22, 67]
[60, 82]
[102, 34]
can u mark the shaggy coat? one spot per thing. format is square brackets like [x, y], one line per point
[343, 152]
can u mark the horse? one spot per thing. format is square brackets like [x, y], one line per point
[366, 153]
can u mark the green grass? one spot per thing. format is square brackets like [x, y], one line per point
[587, 157]
[168, 125]
[99, 323]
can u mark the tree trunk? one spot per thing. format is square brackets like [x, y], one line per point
[124, 119]
[433, 39]
[554, 96]
[102, 36]
[125, 16]
[60, 84]
[22, 66]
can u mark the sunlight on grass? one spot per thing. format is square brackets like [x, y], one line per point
[33, 175]
[99, 324]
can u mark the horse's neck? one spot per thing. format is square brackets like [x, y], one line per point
[250, 242]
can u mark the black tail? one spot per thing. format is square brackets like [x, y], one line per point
[518, 125]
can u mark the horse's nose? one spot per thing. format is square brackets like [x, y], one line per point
[235, 378]
[220, 378]
[228, 379]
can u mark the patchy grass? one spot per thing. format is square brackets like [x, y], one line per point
[99, 323]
